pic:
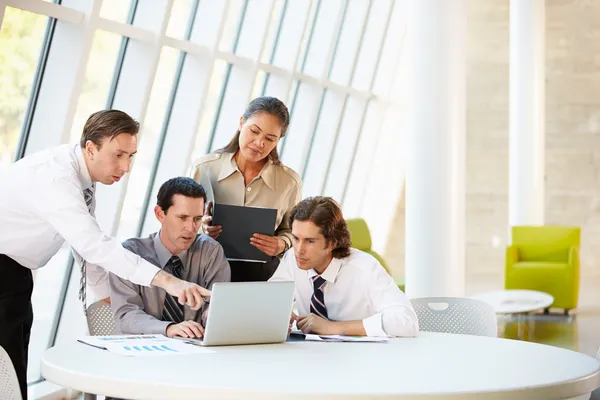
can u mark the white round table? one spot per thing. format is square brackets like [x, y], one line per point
[516, 301]
[432, 366]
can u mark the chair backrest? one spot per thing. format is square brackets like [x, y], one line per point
[100, 319]
[456, 315]
[9, 383]
[557, 236]
[359, 234]
[545, 243]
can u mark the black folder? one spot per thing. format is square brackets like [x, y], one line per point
[239, 224]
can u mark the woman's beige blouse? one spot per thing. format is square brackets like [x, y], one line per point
[276, 186]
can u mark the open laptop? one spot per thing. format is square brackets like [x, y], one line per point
[248, 313]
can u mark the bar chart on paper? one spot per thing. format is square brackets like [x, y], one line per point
[143, 345]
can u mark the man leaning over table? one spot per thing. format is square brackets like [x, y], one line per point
[340, 290]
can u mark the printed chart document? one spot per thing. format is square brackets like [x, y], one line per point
[239, 224]
[339, 338]
[142, 345]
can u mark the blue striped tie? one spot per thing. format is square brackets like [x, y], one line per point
[317, 301]
[172, 310]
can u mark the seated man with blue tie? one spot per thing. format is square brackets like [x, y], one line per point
[340, 290]
[177, 249]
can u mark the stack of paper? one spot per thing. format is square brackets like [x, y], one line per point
[142, 345]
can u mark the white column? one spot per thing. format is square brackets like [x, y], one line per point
[527, 96]
[435, 153]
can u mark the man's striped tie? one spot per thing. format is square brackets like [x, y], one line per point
[172, 310]
[88, 196]
[317, 301]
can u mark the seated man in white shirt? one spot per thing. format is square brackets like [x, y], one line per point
[340, 290]
[178, 250]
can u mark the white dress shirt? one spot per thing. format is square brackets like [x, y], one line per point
[357, 288]
[42, 206]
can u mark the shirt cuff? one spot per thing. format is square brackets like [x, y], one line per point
[144, 273]
[156, 327]
[374, 326]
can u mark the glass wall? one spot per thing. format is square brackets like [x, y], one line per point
[186, 69]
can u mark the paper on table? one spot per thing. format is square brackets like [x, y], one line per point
[341, 338]
[142, 345]
[154, 348]
[102, 341]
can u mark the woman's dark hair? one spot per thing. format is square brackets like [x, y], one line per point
[326, 214]
[180, 185]
[264, 104]
[107, 124]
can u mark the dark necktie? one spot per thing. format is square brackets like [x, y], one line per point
[88, 196]
[172, 310]
[317, 301]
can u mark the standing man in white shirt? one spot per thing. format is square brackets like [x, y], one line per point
[47, 198]
[340, 290]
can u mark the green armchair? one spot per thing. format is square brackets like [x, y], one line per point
[546, 259]
[361, 240]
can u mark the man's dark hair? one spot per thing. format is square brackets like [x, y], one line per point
[326, 214]
[181, 185]
[107, 124]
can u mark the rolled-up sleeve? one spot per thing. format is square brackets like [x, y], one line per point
[66, 211]
[395, 314]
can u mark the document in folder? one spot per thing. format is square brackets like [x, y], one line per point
[239, 224]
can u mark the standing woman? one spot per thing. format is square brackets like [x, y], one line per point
[247, 172]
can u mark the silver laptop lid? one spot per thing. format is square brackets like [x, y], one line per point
[248, 313]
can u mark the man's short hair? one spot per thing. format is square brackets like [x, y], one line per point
[327, 215]
[107, 124]
[180, 185]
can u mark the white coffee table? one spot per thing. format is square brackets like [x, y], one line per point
[516, 301]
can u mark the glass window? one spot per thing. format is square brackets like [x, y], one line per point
[116, 10]
[207, 119]
[180, 18]
[350, 35]
[46, 300]
[259, 84]
[293, 33]
[345, 145]
[233, 19]
[208, 22]
[358, 173]
[322, 144]
[275, 24]
[322, 37]
[372, 42]
[294, 147]
[21, 39]
[392, 46]
[149, 134]
[98, 79]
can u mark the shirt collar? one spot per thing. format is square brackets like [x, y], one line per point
[163, 254]
[82, 172]
[267, 173]
[331, 272]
